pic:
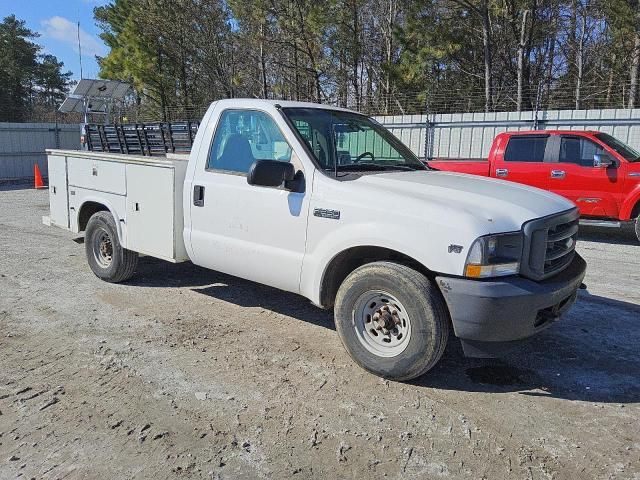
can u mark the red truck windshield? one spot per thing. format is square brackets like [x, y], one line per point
[622, 148]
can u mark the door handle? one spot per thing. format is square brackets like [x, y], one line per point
[198, 195]
[502, 172]
[557, 173]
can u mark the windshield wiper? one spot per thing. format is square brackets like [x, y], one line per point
[364, 166]
[408, 167]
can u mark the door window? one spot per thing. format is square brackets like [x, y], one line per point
[244, 136]
[578, 150]
[525, 149]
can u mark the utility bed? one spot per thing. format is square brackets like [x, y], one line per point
[144, 194]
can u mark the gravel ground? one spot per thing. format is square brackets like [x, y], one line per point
[184, 372]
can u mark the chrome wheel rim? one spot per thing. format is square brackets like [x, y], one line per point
[102, 248]
[382, 324]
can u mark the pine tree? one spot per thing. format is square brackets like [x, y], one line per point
[28, 80]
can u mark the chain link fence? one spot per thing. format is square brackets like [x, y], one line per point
[435, 100]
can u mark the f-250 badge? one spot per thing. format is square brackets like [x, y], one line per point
[325, 213]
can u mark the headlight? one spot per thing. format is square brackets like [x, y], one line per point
[494, 256]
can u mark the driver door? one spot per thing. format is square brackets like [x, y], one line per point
[253, 232]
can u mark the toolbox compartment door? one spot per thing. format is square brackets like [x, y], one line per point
[94, 174]
[58, 192]
[150, 210]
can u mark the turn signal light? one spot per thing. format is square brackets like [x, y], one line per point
[473, 271]
[493, 270]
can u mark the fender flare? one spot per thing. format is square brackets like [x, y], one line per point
[629, 203]
[102, 201]
[316, 264]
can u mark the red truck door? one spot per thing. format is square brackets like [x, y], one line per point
[524, 159]
[593, 189]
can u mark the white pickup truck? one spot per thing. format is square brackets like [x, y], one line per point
[326, 203]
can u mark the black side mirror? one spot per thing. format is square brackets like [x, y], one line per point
[271, 173]
[602, 160]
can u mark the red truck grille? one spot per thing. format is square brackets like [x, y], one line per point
[550, 244]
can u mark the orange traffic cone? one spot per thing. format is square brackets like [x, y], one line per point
[38, 177]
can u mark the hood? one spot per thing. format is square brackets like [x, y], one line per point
[498, 204]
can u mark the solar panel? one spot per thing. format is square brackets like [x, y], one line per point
[121, 91]
[112, 89]
[95, 105]
[71, 104]
[97, 95]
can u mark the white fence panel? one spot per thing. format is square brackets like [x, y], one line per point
[22, 145]
[470, 135]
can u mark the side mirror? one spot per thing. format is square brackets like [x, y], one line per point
[270, 173]
[602, 160]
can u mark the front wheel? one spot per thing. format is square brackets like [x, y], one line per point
[637, 227]
[392, 320]
[106, 257]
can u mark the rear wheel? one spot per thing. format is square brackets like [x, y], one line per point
[392, 320]
[637, 227]
[106, 257]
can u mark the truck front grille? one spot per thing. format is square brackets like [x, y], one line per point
[561, 245]
[550, 244]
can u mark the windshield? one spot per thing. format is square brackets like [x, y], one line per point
[622, 148]
[347, 141]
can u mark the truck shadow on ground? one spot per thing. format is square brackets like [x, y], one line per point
[157, 273]
[590, 355]
[615, 236]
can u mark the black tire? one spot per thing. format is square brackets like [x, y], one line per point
[424, 305]
[106, 257]
[632, 228]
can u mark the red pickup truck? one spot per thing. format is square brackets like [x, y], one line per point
[596, 171]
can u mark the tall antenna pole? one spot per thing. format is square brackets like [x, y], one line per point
[536, 119]
[79, 50]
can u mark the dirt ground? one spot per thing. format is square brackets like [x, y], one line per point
[183, 372]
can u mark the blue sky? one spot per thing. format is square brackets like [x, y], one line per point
[56, 21]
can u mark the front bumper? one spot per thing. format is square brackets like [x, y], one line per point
[492, 316]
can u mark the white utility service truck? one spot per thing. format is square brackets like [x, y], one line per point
[326, 203]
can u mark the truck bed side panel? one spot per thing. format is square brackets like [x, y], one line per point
[143, 194]
[474, 167]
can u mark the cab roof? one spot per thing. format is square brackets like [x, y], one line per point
[551, 132]
[258, 102]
